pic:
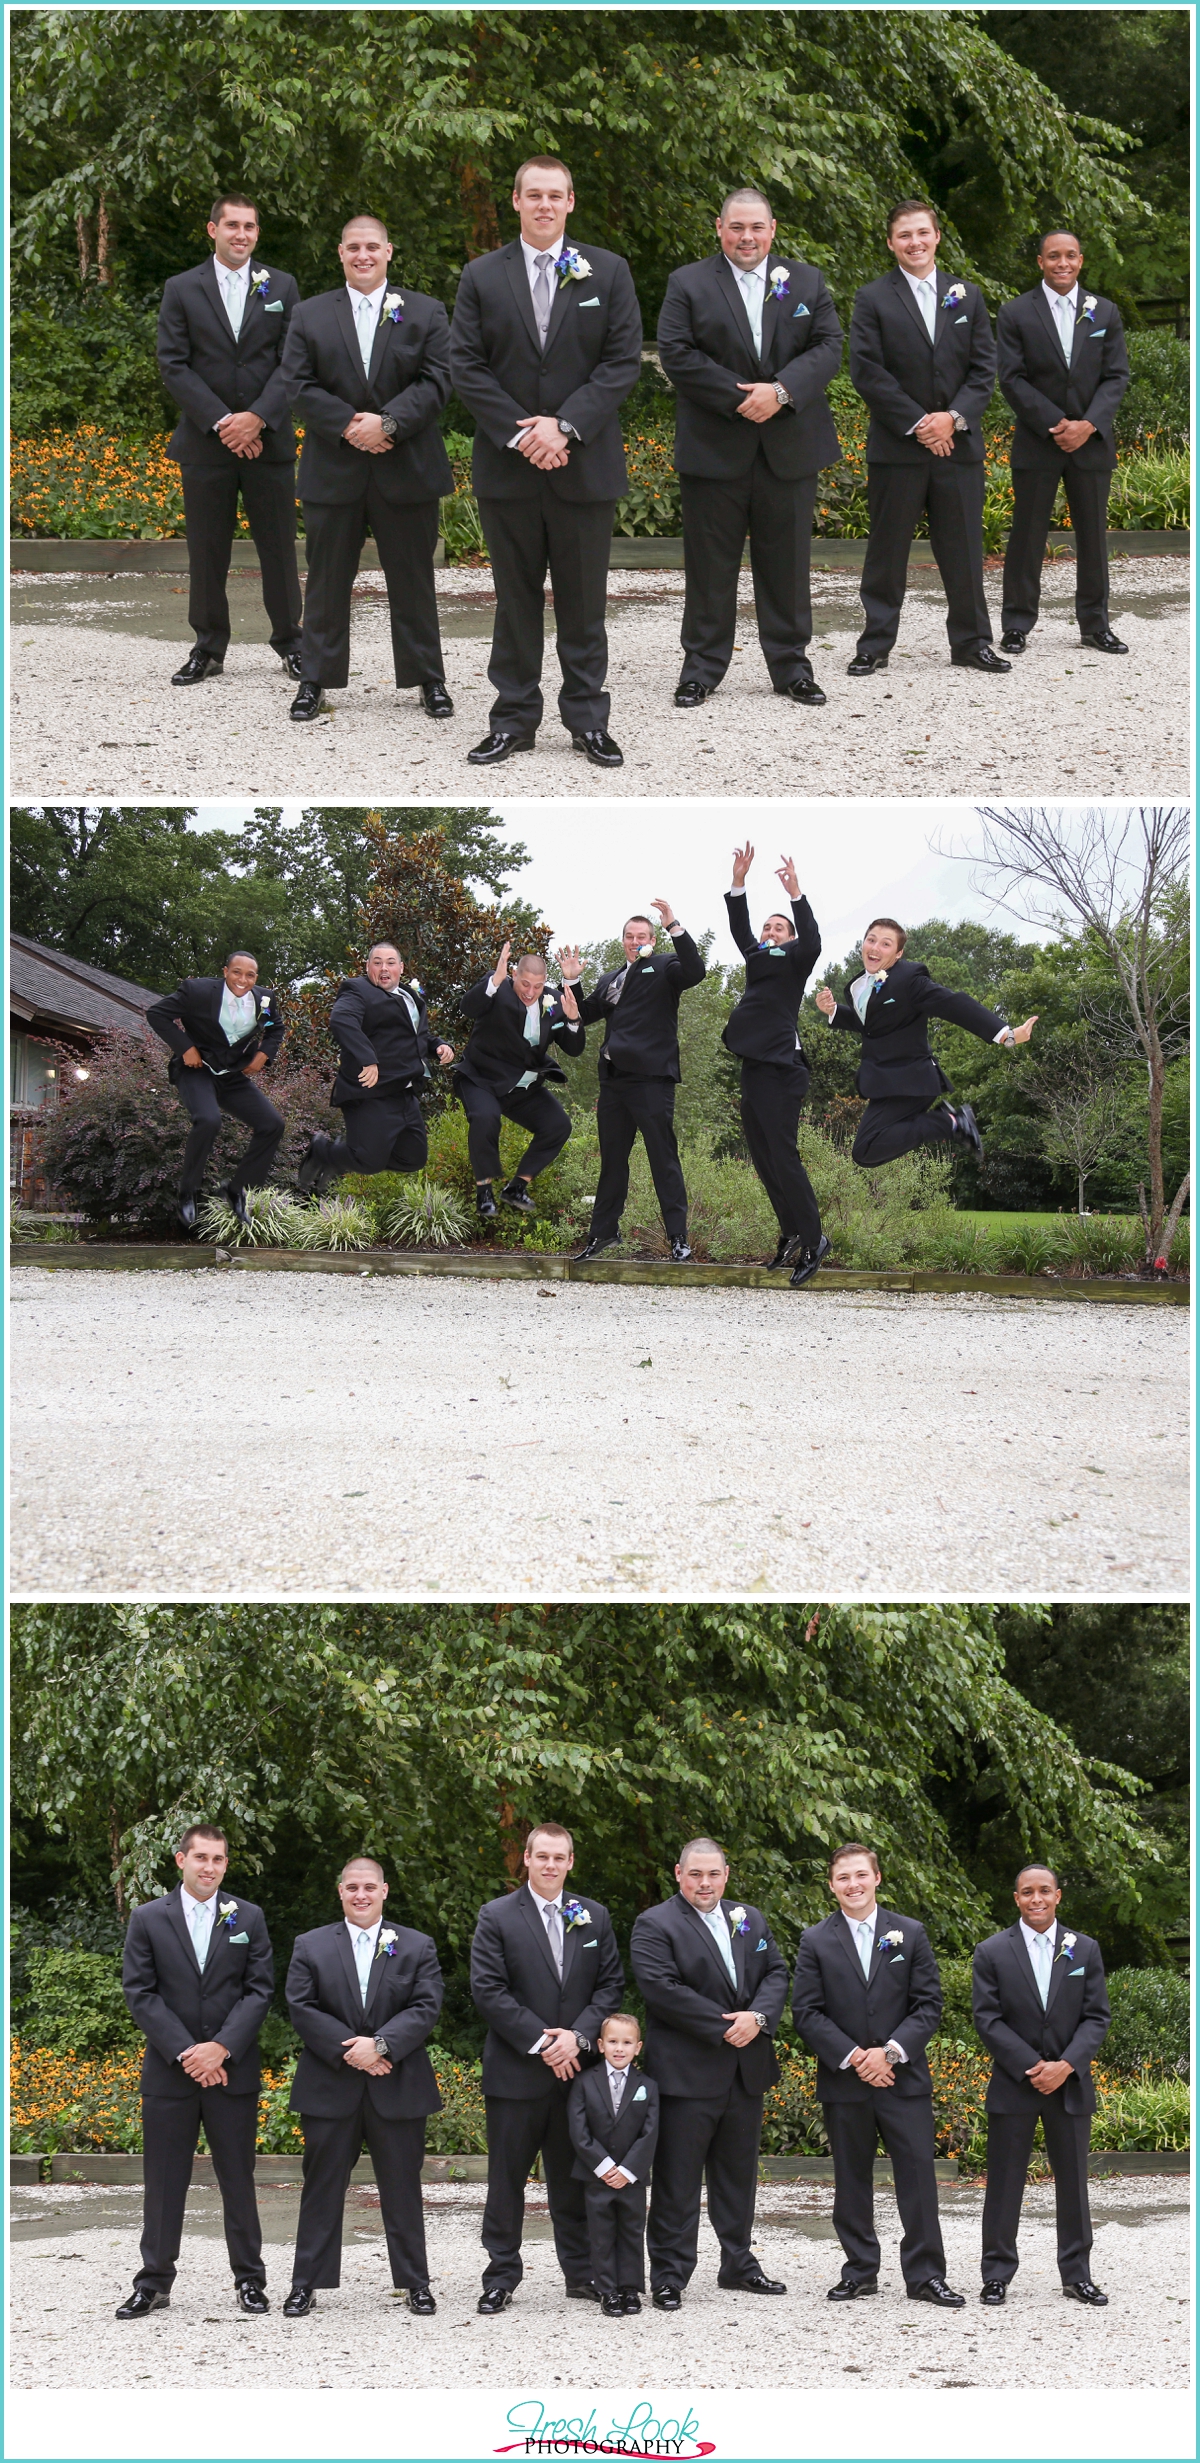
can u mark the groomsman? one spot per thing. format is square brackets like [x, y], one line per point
[749, 340]
[923, 359]
[363, 1996]
[1062, 368]
[197, 1973]
[866, 1998]
[382, 1030]
[222, 1032]
[546, 344]
[544, 1974]
[1039, 2002]
[763, 1032]
[368, 367]
[221, 331]
[714, 1985]
[639, 1071]
[889, 1006]
[505, 1071]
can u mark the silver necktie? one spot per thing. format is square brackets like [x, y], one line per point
[617, 2084]
[554, 1936]
[542, 296]
[365, 319]
[1066, 327]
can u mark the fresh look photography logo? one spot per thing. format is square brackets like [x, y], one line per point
[673, 2435]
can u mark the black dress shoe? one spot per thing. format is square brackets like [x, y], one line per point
[779, 1258]
[309, 702]
[595, 1248]
[1013, 641]
[1089, 2293]
[983, 656]
[582, 2292]
[435, 699]
[492, 2300]
[194, 670]
[485, 1202]
[516, 1192]
[631, 2303]
[751, 2283]
[499, 747]
[668, 2296]
[808, 1261]
[994, 2295]
[612, 2305]
[142, 2302]
[806, 689]
[863, 664]
[299, 2301]
[252, 2298]
[291, 664]
[237, 1199]
[968, 1127]
[421, 2301]
[680, 1252]
[689, 696]
[314, 1174]
[599, 748]
[1104, 641]
[937, 2293]
[849, 2291]
[187, 1213]
[791, 1246]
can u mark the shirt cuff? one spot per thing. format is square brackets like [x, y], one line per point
[536, 2048]
[844, 2065]
[491, 989]
[1005, 1035]
[630, 2176]
[675, 929]
[605, 2164]
[738, 889]
[895, 2051]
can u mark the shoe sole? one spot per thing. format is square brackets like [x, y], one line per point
[213, 677]
[596, 761]
[306, 718]
[489, 761]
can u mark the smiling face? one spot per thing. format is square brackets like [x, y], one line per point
[637, 940]
[542, 204]
[529, 980]
[619, 2042]
[913, 240]
[880, 949]
[854, 1883]
[385, 966]
[202, 1866]
[745, 231]
[241, 974]
[1037, 1895]
[702, 1879]
[362, 1891]
[235, 236]
[778, 929]
[366, 253]
[1061, 260]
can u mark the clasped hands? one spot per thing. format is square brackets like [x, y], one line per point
[360, 2051]
[542, 442]
[1070, 434]
[936, 432]
[761, 401]
[205, 2064]
[1048, 2076]
[242, 432]
[560, 2052]
[366, 433]
[873, 2066]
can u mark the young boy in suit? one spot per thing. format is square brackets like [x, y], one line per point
[612, 2115]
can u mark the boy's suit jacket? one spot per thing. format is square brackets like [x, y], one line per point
[628, 2137]
[836, 2007]
[1007, 2009]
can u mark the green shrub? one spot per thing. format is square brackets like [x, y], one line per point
[1151, 491]
[461, 526]
[424, 1216]
[1032, 1248]
[1104, 1243]
[1155, 410]
[1150, 2019]
[87, 356]
[75, 2002]
[1148, 2111]
[793, 2122]
[334, 1223]
[275, 1221]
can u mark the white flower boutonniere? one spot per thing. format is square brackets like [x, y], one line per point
[392, 309]
[571, 267]
[779, 281]
[957, 291]
[739, 1921]
[414, 986]
[227, 1913]
[1067, 1944]
[385, 1947]
[894, 1939]
[260, 282]
[1089, 309]
[574, 1914]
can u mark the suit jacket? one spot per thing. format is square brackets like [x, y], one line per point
[409, 379]
[1007, 2009]
[515, 1986]
[325, 2005]
[629, 2139]
[209, 373]
[368, 1024]
[641, 1029]
[176, 2006]
[192, 1015]
[497, 1052]
[896, 1056]
[901, 374]
[592, 359]
[706, 344]
[686, 1989]
[763, 1025]
[1037, 383]
[836, 2007]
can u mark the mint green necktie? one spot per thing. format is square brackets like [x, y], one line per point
[362, 1954]
[866, 1940]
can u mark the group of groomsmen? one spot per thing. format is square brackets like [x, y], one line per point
[544, 346]
[562, 2080]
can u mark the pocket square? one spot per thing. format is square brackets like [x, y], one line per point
[591, 1945]
[898, 1960]
[800, 311]
[1098, 332]
[962, 320]
[1078, 1971]
[761, 1945]
[272, 307]
[640, 2097]
[589, 303]
[239, 1936]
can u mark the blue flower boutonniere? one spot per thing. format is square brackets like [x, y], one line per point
[260, 281]
[227, 1913]
[1089, 306]
[1066, 1946]
[570, 266]
[574, 1914]
[393, 308]
[779, 281]
[957, 291]
[385, 1947]
[739, 1921]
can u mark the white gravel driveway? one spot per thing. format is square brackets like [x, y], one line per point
[623, 1439]
[93, 710]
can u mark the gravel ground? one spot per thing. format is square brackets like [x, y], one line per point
[63, 2290]
[1066, 721]
[690, 1443]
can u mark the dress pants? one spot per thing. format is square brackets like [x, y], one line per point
[206, 1098]
[897, 494]
[892, 1125]
[518, 2129]
[1010, 2140]
[616, 2222]
[1034, 492]
[210, 501]
[710, 2138]
[772, 1093]
[385, 1133]
[532, 1107]
[170, 2129]
[406, 536]
[528, 536]
[623, 1106]
[331, 2151]
[905, 2125]
[717, 513]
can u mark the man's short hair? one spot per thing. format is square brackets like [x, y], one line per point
[853, 1847]
[532, 957]
[619, 2018]
[1059, 231]
[232, 198]
[541, 162]
[742, 196]
[377, 219]
[200, 1830]
[694, 1846]
[887, 923]
[373, 1861]
[639, 919]
[913, 205]
[1036, 1865]
[777, 916]
[382, 945]
[550, 1830]
[241, 953]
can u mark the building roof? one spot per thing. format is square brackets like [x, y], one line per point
[49, 989]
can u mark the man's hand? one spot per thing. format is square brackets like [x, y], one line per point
[370, 1075]
[543, 444]
[366, 432]
[570, 962]
[745, 2027]
[1021, 1034]
[787, 874]
[560, 2052]
[872, 2065]
[570, 1006]
[257, 1062]
[500, 969]
[743, 857]
[203, 2062]
[761, 402]
[825, 1001]
[614, 2179]
[663, 907]
[1047, 2076]
[445, 1053]
[192, 1059]
[1070, 434]
[241, 431]
[936, 432]
[360, 2052]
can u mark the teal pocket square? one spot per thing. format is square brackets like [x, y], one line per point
[589, 303]
[640, 2097]
[800, 311]
[962, 320]
[239, 1936]
[1078, 1971]
[272, 307]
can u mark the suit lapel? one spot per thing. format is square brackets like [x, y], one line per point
[1045, 314]
[177, 1911]
[1058, 1969]
[847, 1946]
[345, 321]
[558, 312]
[902, 285]
[773, 309]
[354, 1999]
[537, 1925]
[378, 1963]
[731, 293]
[518, 281]
[1023, 1966]
[701, 1927]
[383, 329]
[212, 292]
[570, 1947]
[879, 1948]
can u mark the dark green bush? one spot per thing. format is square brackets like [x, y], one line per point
[1156, 408]
[76, 2003]
[88, 356]
[1151, 2019]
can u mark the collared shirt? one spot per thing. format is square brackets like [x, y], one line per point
[1064, 308]
[396, 992]
[1041, 1958]
[234, 284]
[895, 2052]
[718, 1924]
[531, 256]
[237, 1015]
[541, 1905]
[363, 1966]
[924, 288]
[201, 1916]
[365, 306]
[752, 283]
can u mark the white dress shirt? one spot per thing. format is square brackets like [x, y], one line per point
[372, 1932]
[531, 256]
[542, 1904]
[1041, 1959]
[894, 2051]
[234, 284]
[365, 307]
[606, 2163]
[1064, 308]
[236, 1018]
[752, 283]
[718, 1924]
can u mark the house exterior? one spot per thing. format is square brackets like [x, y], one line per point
[59, 1008]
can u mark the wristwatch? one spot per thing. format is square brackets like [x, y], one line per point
[782, 395]
[388, 424]
[761, 2020]
[382, 2048]
[565, 429]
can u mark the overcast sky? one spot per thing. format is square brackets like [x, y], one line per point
[593, 862]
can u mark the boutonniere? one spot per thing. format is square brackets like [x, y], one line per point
[574, 1914]
[385, 1947]
[894, 1938]
[1067, 1944]
[570, 266]
[779, 281]
[549, 999]
[393, 303]
[413, 986]
[1089, 304]
[739, 1921]
[957, 291]
[260, 281]
[227, 1913]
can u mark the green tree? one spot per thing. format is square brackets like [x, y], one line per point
[138, 891]
[324, 861]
